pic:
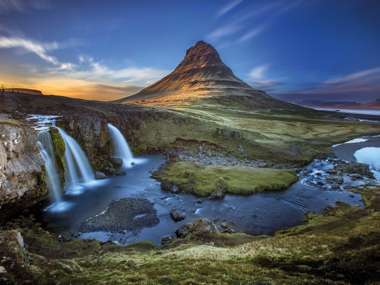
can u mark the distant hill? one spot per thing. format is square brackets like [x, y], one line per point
[22, 90]
[202, 76]
[342, 104]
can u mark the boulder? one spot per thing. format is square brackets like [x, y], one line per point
[197, 228]
[167, 240]
[225, 227]
[14, 262]
[118, 162]
[100, 175]
[169, 187]
[177, 215]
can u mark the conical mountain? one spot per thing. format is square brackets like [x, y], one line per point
[202, 76]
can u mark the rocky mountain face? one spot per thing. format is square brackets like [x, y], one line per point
[203, 75]
[21, 168]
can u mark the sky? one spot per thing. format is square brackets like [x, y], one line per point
[297, 49]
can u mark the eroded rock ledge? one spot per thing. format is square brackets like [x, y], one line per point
[21, 167]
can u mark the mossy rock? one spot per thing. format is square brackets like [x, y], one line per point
[59, 152]
[207, 180]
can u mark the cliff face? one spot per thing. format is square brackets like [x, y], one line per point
[21, 167]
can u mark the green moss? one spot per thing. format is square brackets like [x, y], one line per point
[59, 151]
[205, 180]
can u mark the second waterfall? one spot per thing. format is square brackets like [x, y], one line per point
[79, 170]
[121, 148]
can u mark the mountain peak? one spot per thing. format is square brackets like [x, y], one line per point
[202, 75]
[201, 47]
[200, 55]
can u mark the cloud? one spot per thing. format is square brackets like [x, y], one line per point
[257, 77]
[366, 74]
[85, 68]
[90, 69]
[251, 34]
[21, 6]
[39, 49]
[223, 31]
[362, 81]
[228, 7]
[360, 86]
[258, 72]
[239, 28]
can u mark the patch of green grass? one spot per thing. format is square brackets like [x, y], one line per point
[205, 180]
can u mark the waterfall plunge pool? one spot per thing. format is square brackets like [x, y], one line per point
[262, 213]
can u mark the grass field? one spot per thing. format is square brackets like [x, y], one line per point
[274, 136]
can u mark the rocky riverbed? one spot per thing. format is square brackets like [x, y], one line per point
[127, 214]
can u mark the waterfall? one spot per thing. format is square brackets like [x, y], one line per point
[121, 147]
[45, 145]
[78, 167]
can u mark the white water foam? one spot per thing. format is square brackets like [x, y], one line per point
[371, 157]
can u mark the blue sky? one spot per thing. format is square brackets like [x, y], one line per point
[324, 47]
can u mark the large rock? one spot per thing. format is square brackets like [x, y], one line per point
[177, 216]
[125, 214]
[197, 228]
[14, 262]
[21, 167]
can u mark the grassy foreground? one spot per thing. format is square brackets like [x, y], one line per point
[206, 180]
[341, 246]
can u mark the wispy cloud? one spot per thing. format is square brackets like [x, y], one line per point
[251, 34]
[360, 86]
[258, 78]
[366, 75]
[93, 70]
[228, 7]
[84, 68]
[366, 81]
[21, 6]
[247, 26]
[258, 72]
[223, 31]
[39, 49]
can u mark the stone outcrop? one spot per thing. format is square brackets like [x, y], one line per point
[14, 262]
[21, 167]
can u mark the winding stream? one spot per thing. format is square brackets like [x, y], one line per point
[321, 184]
[262, 213]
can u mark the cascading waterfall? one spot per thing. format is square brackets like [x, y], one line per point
[79, 174]
[45, 145]
[121, 147]
[78, 167]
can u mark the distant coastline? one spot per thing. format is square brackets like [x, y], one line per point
[351, 111]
